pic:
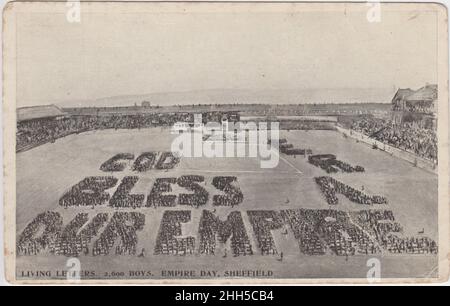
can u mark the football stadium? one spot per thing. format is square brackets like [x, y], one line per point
[353, 183]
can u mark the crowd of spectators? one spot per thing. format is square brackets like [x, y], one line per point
[31, 133]
[406, 136]
[423, 107]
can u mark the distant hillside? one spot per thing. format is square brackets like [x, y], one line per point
[240, 96]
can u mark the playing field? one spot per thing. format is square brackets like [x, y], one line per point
[45, 173]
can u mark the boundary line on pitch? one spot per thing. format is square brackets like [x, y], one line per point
[290, 164]
[283, 159]
[235, 171]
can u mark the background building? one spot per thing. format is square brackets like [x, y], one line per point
[416, 106]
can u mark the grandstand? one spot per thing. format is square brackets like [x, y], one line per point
[416, 106]
[409, 129]
[37, 125]
[40, 113]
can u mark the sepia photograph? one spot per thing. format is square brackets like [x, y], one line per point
[225, 143]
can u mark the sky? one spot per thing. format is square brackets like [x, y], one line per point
[143, 52]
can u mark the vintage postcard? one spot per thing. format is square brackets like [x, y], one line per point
[225, 143]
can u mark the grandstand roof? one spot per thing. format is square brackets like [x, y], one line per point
[37, 112]
[426, 93]
[403, 93]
